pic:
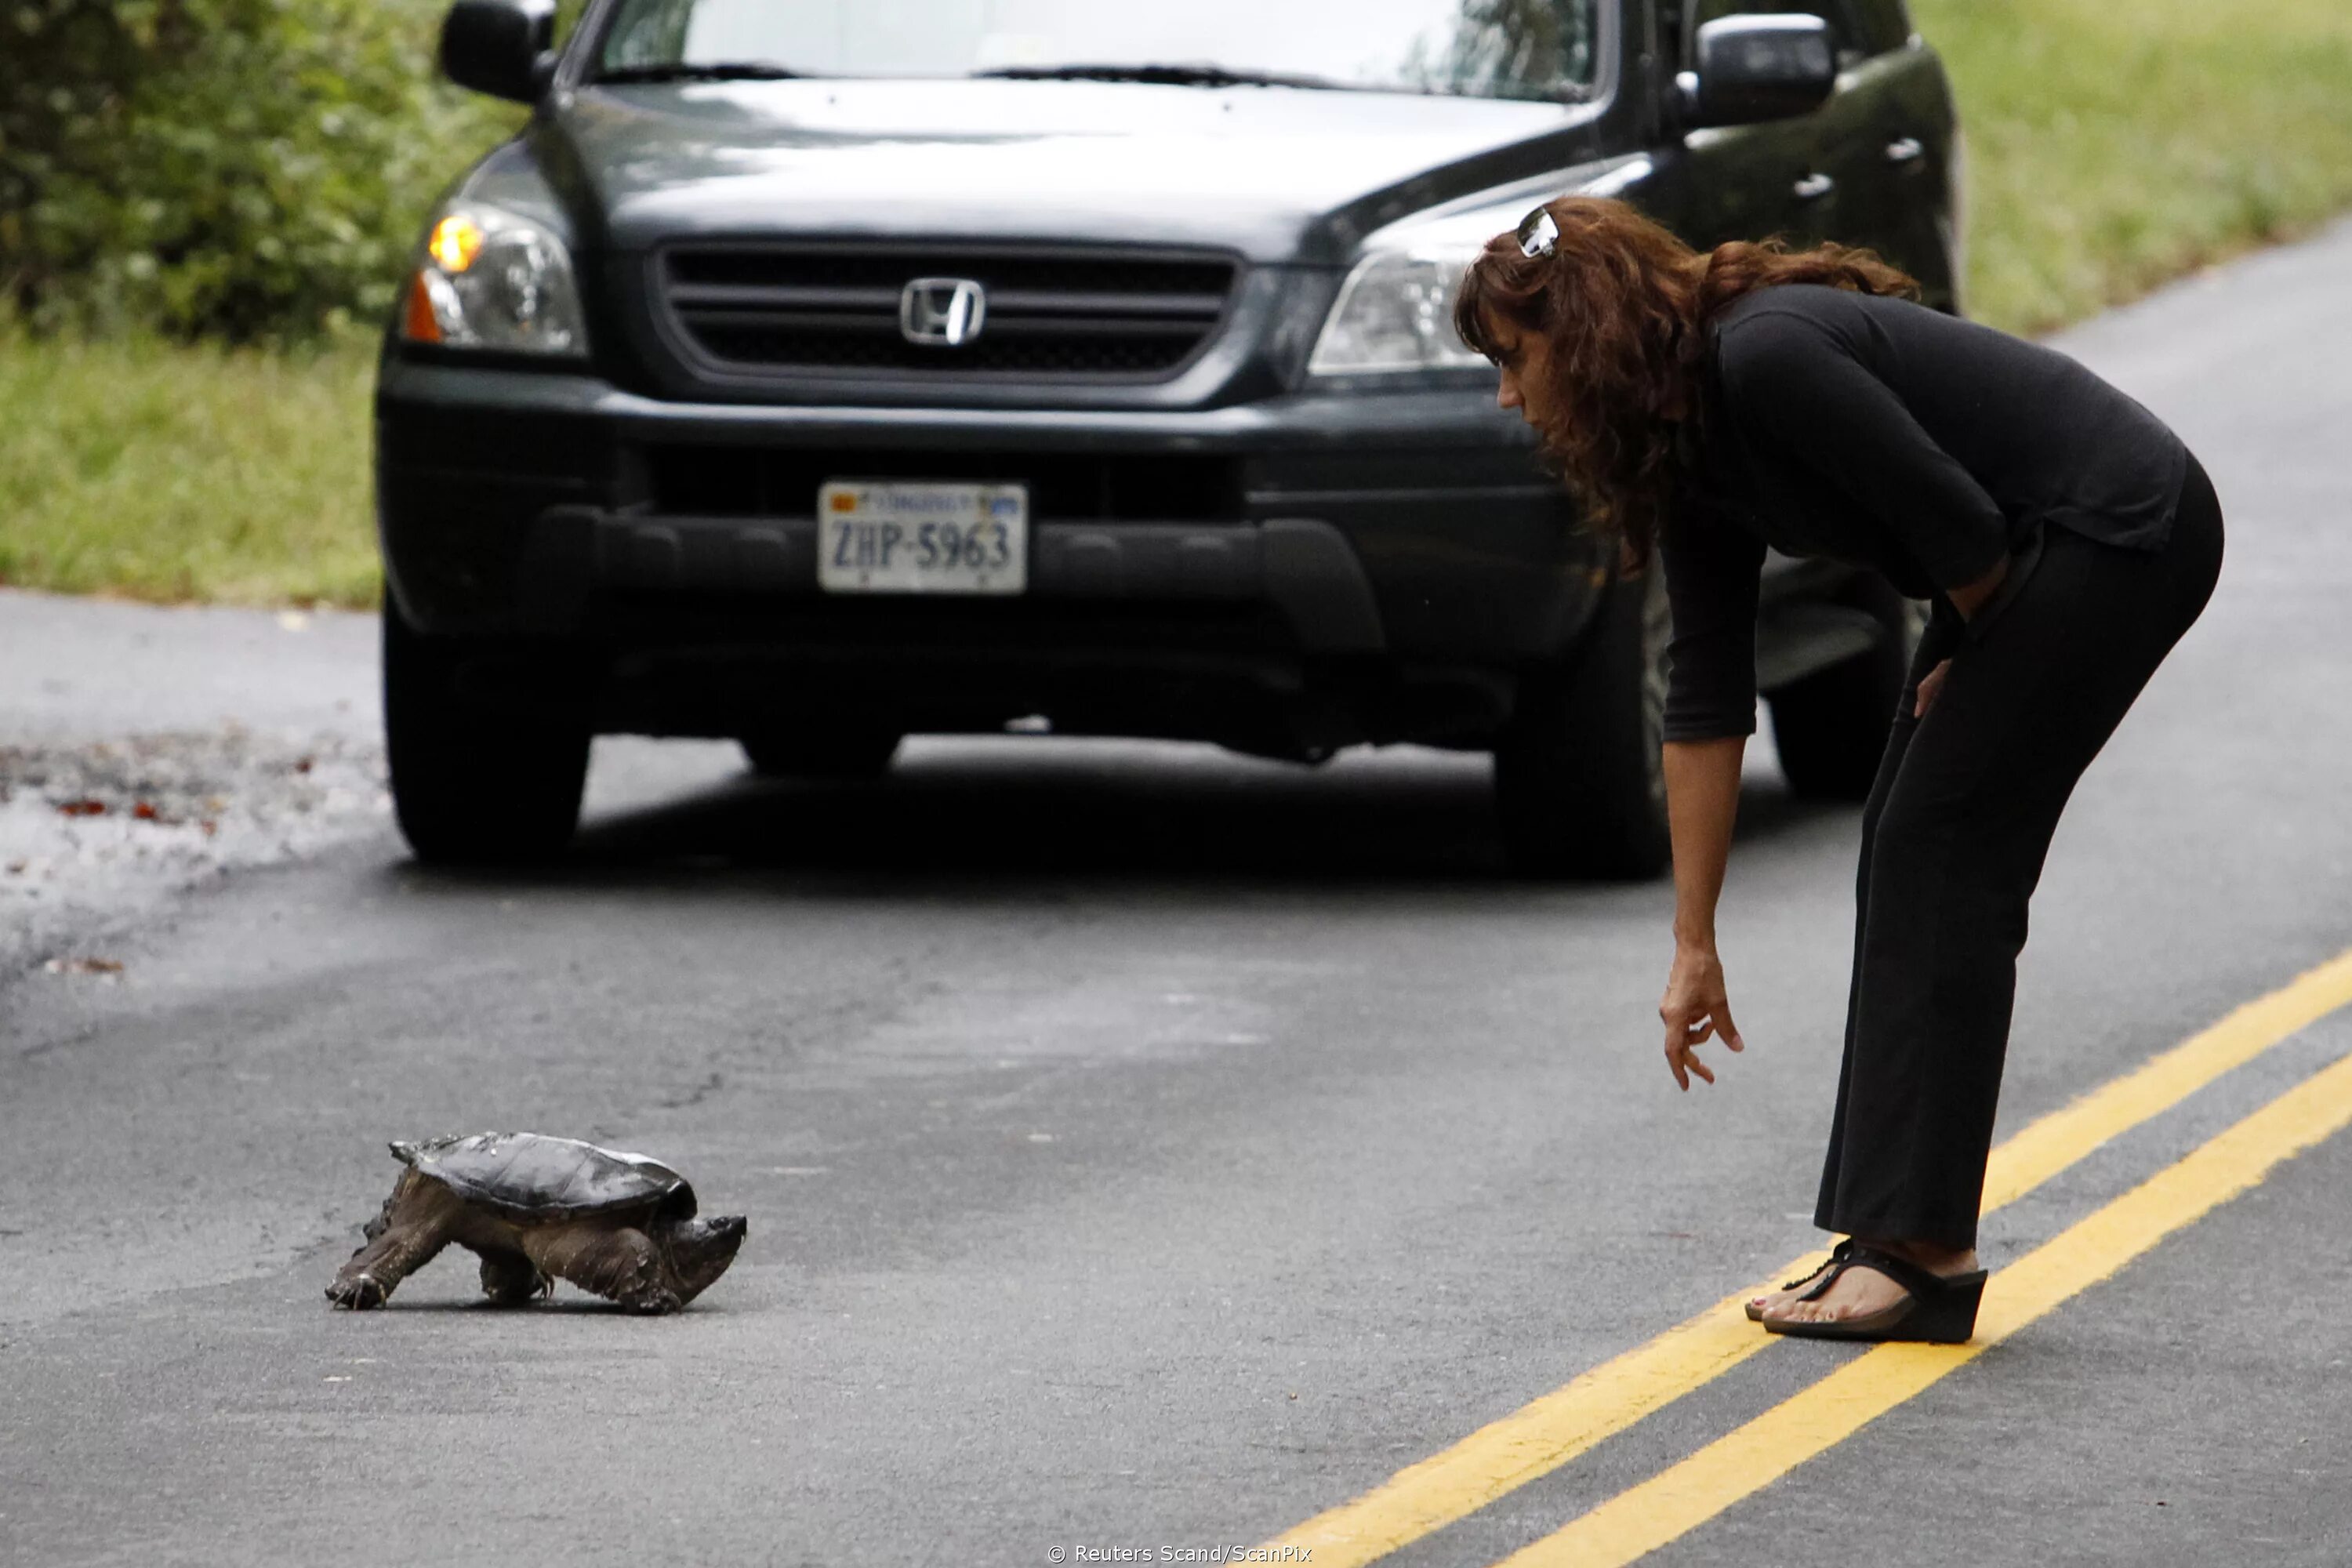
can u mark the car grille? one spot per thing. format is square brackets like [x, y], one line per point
[766, 310]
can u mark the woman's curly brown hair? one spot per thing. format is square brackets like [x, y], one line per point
[1625, 303]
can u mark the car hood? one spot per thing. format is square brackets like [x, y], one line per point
[1278, 173]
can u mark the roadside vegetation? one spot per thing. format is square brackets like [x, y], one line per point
[2115, 146]
[2112, 147]
[174, 471]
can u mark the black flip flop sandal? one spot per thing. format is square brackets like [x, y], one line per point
[1940, 1309]
[1837, 1255]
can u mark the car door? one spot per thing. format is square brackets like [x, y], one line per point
[1894, 151]
[1777, 177]
[1746, 181]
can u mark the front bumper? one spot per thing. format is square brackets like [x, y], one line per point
[1404, 532]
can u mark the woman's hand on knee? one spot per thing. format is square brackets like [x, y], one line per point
[1696, 1008]
[1929, 684]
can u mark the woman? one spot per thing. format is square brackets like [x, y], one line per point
[1713, 403]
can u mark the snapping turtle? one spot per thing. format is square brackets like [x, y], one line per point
[539, 1209]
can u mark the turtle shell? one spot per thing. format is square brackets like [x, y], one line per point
[530, 1176]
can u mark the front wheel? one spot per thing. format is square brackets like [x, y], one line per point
[471, 788]
[1580, 772]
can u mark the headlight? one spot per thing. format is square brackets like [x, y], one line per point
[1396, 312]
[490, 280]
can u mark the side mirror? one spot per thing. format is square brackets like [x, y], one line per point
[1754, 68]
[503, 48]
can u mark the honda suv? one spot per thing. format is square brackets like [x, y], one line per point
[818, 374]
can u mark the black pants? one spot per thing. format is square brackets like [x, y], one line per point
[1953, 840]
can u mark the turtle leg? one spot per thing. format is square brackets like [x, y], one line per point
[511, 1278]
[418, 1220]
[618, 1262]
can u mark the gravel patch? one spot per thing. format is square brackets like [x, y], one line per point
[147, 751]
[96, 833]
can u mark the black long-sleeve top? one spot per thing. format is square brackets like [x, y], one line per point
[1884, 433]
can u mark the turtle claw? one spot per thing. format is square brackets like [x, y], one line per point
[360, 1292]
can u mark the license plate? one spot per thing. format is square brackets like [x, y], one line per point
[894, 536]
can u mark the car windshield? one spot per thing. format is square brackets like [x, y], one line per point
[1488, 48]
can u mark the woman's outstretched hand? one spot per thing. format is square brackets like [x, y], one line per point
[1695, 1009]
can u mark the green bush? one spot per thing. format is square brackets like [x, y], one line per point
[237, 168]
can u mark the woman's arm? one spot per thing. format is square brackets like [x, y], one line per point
[1714, 575]
[1702, 802]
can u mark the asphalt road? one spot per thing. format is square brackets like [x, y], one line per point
[1146, 1148]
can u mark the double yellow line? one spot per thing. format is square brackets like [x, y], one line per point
[1550, 1432]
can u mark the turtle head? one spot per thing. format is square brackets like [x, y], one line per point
[700, 1251]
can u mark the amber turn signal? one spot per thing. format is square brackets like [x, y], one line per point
[422, 325]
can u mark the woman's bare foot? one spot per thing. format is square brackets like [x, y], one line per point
[1862, 1290]
[1773, 1302]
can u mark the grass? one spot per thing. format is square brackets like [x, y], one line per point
[2117, 143]
[160, 471]
[2111, 146]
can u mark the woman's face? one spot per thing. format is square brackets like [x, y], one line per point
[1524, 358]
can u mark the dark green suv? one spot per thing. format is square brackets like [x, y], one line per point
[818, 375]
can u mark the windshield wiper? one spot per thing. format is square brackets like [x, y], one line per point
[731, 70]
[1164, 76]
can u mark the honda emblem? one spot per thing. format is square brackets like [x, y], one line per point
[946, 312]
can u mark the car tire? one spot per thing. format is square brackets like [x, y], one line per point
[1830, 728]
[1580, 771]
[821, 753]
[472, 787]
